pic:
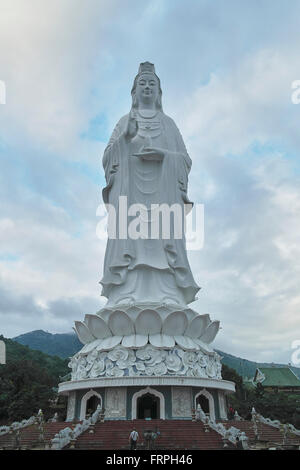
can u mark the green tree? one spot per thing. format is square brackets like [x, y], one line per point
[270, 404]
[28, 382]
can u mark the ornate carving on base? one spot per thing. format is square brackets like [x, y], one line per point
[181, 402]
[147, 361]
[115, 403]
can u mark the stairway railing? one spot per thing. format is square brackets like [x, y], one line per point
[233, 434]
[68, 435]
[286, 428]
[17, 425]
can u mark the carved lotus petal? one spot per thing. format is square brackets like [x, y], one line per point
[164, 312]
[109, 343]
[190, 313]
[104, 313]
[135, 341]
[210, 332]
[97, 326]
[148, 322]
[83, 333]
[197, 326]
[162, 341]
[85, 348]
[186, 343]
[90, 346]
[133, 311]
[203, 346]
[175, 324]
[120, 323]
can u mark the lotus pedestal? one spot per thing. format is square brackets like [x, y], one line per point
[146, 361]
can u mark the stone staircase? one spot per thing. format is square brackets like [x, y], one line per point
[174, 434]
[266, 432]
[29, 437]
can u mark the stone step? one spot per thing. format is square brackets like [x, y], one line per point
[174, 434]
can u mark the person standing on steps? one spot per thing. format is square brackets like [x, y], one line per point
[133, 438]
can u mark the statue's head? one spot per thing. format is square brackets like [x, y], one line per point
[146, 86]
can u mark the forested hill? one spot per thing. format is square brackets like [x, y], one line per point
[63, 345]
[66, 345]
[28, 381]
[54, 365]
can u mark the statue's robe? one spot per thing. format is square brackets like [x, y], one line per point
[147, 270]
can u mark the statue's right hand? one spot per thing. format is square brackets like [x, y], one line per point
[132, 126]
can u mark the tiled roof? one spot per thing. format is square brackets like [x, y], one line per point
[277, 377]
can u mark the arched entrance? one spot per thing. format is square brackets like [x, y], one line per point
[206, 401]
[89, 403]
[148, 406]
[148, 403]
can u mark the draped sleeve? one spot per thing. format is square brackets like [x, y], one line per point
[183, 161]
[112, 156]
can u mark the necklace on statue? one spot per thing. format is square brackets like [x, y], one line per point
[147, 113]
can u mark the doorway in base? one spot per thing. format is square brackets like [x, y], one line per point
[91, 405]
[204, 403]
[148, 406]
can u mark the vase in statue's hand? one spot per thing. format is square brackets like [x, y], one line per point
[150, 153]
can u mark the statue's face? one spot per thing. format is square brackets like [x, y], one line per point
[147, 88]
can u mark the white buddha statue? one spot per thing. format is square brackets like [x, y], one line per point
[146, 161]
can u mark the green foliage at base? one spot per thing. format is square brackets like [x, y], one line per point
[28, 382]
[274, 405]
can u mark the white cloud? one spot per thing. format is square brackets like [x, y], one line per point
[48, 60]
[250, 263]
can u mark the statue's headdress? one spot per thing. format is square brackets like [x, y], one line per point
[146, 67]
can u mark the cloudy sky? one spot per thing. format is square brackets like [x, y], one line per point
[226, 69]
